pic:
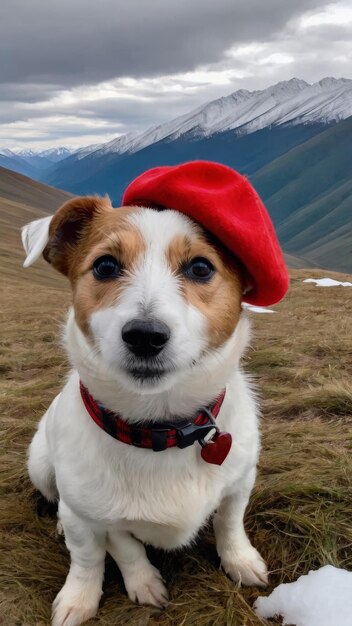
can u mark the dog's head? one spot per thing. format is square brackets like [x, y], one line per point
[153, 294]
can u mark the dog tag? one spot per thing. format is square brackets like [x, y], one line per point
[217, 449]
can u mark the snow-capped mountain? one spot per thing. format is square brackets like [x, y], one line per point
[26, 153]
[292, 102]
[83, 152]
[5, 152]
[56, 154]
[51, 154]
[15, 162]
[288, 102]
[32, 163]
[245, 130]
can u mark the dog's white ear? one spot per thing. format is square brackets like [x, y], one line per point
[35, 236]
[57, 237]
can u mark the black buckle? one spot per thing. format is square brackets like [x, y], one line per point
[187, 432]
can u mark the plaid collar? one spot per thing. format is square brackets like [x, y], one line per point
[159, 436]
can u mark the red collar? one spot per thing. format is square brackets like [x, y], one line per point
[162, 435]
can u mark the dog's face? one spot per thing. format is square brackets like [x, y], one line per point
[151, 293]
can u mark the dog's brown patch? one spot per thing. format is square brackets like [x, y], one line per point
[219, 300]
[83, 230]
[112, 235]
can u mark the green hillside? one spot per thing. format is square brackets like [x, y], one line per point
[322, 230]
[309, 195]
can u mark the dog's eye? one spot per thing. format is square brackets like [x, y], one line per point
[199, 269]
[106, 267]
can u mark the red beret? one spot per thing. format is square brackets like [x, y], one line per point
[226, 204]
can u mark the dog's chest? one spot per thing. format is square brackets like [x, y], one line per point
[150, 493]
[132, 487]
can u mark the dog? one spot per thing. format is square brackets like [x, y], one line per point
[137, 446]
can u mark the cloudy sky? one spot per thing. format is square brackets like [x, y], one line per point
[76, 72]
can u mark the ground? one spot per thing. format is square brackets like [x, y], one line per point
[301, 509]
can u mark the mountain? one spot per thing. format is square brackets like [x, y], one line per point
[55, 154]
[43, 160]
[280, 117]
[299, 263]
[31, 162]
[293, 101]
[292, 139]
[23, 200]
[308, 192]
[16, 163]
[245, 130]
[111, 172]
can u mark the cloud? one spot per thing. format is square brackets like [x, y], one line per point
[339, 14]
[86, 41]
[81, 72]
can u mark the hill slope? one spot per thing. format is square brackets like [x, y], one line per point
[19, 188]
[23, 200]
[308, 192]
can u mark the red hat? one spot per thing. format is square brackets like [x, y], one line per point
[226, 204]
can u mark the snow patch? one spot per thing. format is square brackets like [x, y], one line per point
[256, 309]
[322, 598]
[327, 282]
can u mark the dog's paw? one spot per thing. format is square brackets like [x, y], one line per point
[246, 567]
[71, 607]
[145, 586]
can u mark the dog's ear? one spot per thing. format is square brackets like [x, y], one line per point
[57, 237]
[35, 236]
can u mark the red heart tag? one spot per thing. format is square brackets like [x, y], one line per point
[217, 449]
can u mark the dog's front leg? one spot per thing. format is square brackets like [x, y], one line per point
[240, 560]
[79, 598]
[142, 580]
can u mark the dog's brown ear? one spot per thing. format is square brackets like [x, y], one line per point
[68, 227]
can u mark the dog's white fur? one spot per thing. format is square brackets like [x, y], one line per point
[116, 497]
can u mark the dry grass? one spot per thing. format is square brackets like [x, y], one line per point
[299, 515]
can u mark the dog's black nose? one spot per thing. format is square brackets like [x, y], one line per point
[145, 338]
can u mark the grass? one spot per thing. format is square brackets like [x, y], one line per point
[299, 515]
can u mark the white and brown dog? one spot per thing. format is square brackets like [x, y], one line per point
[156, 332]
